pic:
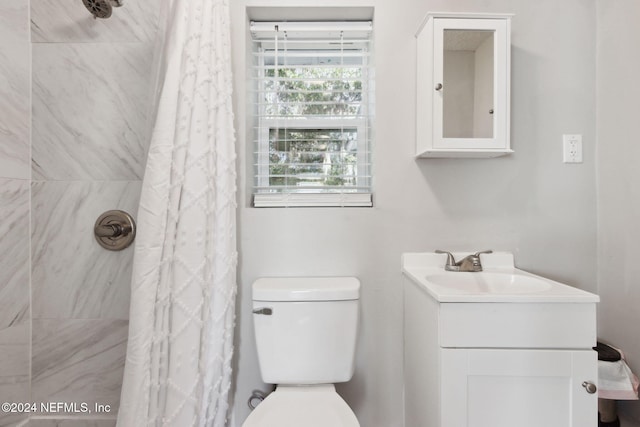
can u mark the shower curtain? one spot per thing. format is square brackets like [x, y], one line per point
[178, 363]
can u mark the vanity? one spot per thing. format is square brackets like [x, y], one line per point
[463, 85]
[496, 348]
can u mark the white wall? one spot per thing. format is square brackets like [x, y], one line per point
[529, 203]
[618, 177]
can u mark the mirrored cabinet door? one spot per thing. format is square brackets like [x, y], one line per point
[463, 86]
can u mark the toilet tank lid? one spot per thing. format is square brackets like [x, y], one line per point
[306, 289]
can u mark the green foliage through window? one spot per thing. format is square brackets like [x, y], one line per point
[313, 157]
[313, 91]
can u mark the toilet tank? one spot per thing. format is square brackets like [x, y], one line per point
[306, 328]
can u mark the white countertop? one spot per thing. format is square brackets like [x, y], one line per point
[427, 271]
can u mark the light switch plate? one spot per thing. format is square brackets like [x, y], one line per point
[572, 148]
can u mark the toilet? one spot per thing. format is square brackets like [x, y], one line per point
[305, 329]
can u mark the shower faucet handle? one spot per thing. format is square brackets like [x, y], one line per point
[115, 230]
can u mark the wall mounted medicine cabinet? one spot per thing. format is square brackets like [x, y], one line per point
[463, 85]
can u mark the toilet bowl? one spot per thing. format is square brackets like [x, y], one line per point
[305, 330]
[303, 406]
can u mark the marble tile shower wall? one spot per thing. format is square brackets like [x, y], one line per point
[74, 129]
[15, 173]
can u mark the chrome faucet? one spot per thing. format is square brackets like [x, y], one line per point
[469, 263]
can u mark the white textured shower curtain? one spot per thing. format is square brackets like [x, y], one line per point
[178, 364]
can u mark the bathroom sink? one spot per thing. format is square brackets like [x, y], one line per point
[500, 281]
[490, 282]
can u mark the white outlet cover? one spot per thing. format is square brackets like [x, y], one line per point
[572, 148]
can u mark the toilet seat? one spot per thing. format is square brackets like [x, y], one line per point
[308, 406]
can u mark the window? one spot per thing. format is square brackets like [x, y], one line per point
[313, 103]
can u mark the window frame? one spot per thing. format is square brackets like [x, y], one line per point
[263, 197]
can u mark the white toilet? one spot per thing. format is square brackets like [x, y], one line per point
[306, 337]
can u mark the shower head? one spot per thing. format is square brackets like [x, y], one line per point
[101, 8]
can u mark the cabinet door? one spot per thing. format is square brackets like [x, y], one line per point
[471, 80]
[524, 388]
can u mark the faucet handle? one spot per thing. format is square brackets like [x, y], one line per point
[450, 259]
[477, 254]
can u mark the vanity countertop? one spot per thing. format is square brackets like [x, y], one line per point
[500, 281]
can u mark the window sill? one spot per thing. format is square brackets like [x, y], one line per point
[316, 200]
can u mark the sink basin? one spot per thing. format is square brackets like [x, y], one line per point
[500, 281]
[491, 283]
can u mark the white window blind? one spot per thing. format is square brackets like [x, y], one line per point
[313, 104]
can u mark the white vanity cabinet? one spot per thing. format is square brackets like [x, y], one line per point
[479, 359]
[463, 85]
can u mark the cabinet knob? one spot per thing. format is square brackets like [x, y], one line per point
[439, 86]
[590, 387]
